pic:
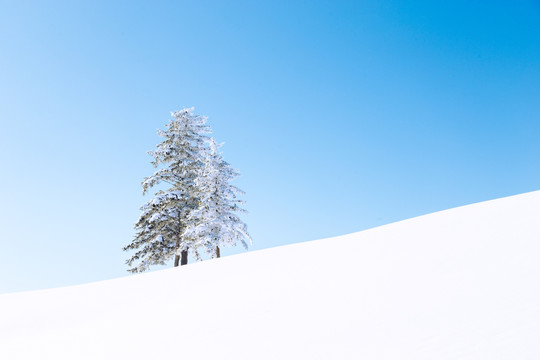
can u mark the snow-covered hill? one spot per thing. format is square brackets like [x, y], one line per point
[457, 284]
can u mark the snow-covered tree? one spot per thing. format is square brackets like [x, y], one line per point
[215, 223]
[180, 159]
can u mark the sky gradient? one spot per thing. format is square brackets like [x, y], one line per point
[341, 116]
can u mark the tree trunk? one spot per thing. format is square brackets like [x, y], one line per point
[217, 252]
[184, 258]
[176, 260]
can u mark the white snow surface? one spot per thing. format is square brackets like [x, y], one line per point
[458, 284]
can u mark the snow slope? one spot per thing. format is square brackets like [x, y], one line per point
[457, 284]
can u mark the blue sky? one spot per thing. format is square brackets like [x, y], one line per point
[340, 116]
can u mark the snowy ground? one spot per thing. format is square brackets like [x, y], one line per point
[457, 284]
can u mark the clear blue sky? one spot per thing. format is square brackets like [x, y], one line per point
[340, 116]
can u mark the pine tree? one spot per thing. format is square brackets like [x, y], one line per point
[214, 223]
[180, 157]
